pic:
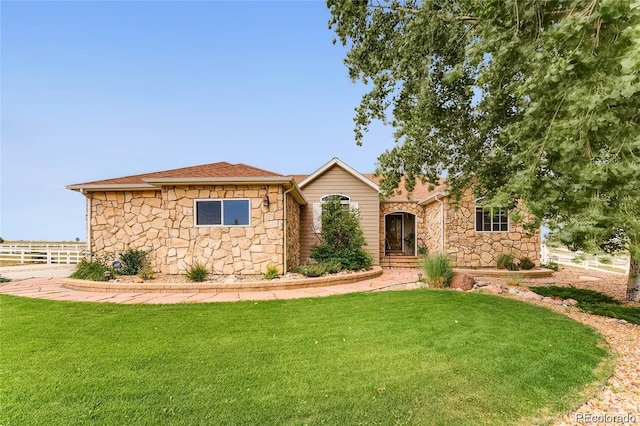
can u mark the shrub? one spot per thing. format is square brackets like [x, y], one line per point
[551, 265]
[313, 270]
[526, 263]
[342, 237]
[133, 261]
[422, 250]
[1, 240]
[3, 279]
[271, 272]
[437, 269]
[93, 271]
[579, 294]
[605, 260]
[333, 266]
[197, 272]
[505, 261]
[146, 272]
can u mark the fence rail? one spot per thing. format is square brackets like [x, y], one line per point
[50, 254]
[612, 264]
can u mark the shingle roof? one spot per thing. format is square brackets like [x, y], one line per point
[213, 170]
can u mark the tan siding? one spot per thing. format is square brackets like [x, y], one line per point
[338, 181]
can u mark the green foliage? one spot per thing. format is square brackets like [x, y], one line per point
[93, 270]
[271, 273]
[342, 238]
[526, 263]
[333, 266]
[1, 240]
[197, 272]
[422, 250]
[605, 260]
[146, 272]
[593, 302]
[437, 269]
[579, 258]
[551, 265]
[132, 261]
[505, 261]
[4, 279]
[313, 270]
[579, 294]
[556, 123]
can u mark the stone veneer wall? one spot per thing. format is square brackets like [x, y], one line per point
[387, 207]
[469, 248]
[164, 222]
[433, 227]
[293, 233]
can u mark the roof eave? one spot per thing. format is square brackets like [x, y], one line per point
[111, 187]
[430, 199]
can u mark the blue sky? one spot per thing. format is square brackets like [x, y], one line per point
[94, 90]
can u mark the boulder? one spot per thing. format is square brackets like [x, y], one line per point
[570, 302]
[463, 281]
[530, 295]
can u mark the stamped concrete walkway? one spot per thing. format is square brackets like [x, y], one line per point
[52, 288]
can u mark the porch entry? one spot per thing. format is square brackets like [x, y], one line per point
[400, 234]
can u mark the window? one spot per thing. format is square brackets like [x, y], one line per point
[318, 209]
[490, 219]
[222, 212]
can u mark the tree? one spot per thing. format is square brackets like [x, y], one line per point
[526, 100]
[342, 237]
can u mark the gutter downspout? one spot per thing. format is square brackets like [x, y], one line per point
[441, 223]
[88, 218]
[284, 234]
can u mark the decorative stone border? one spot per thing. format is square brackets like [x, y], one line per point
[504, 273]
[263, 285]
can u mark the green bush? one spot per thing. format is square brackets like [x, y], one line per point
[437, 269]
[505, 261]
[526, 263]
[197, 272]
[146, 272]
[132, 261]
[313, 270]
[93, 271]
[605, 260]
[271, 272]
[3, 279]
[551, 265]
[333, 266]
[342, 238]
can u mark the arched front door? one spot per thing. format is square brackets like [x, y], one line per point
[400, 233]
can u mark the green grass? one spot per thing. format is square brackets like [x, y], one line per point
[406, 357]
[593, 302]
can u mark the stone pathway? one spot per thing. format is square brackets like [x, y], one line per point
[53, 289]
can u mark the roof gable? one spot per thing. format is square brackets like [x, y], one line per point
[336, 162]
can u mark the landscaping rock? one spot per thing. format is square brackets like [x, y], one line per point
[547, 299]
[530, 295]
[570, 302]
[481, 284]
[514, 291]
[463, 281]
[493, 288]
[137, 280]
[230, 279]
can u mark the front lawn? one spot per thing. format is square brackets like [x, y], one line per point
[403, 357]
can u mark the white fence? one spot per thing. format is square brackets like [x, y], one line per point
[50, 254]
[607, 263]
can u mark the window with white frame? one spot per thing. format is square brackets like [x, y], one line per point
[225, 212]
[318, 208]
[491, 219]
